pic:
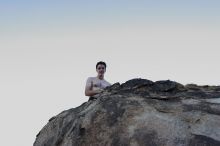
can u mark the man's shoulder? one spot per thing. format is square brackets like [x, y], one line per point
[90, 78]
[107, 82]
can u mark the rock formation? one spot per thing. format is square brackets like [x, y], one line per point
[140, 112]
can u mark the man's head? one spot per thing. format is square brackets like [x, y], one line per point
[101, 68]
[100, 63]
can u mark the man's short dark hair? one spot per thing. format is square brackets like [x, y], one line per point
[100, 62]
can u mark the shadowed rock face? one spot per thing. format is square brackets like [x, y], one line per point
[140, 112]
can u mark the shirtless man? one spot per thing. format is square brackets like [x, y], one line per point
[95, 85]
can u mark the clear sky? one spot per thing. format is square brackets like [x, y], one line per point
[48, 48]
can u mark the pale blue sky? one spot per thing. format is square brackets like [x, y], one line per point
[49, 48]
[32, 16]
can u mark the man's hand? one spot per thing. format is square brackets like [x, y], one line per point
[97, 90]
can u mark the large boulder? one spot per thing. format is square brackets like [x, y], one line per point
[140, 112]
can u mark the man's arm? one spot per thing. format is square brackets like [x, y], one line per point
[89, 89]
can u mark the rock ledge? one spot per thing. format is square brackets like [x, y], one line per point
[140, 112]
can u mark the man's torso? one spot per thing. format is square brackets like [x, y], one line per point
[97, 83]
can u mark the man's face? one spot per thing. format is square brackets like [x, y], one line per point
[100, 69]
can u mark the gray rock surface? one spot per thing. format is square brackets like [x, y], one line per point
[140, 112]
